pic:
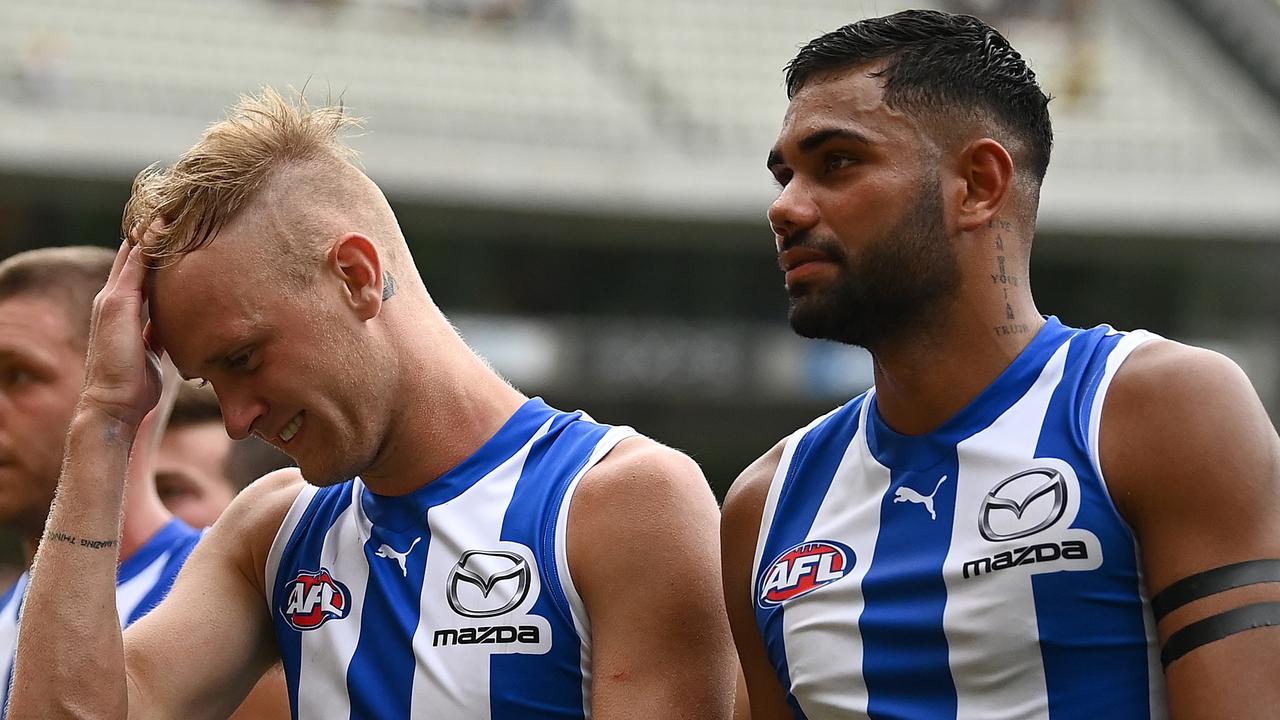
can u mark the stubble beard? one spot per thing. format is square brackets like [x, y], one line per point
[891, 289]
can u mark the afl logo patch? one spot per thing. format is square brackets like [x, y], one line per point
[801, 569]
[315, 598]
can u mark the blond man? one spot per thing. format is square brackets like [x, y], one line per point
[456, 550]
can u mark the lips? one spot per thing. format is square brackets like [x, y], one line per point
[791, 259]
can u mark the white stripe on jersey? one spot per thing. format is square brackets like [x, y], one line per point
[581, 622]
[287, 526]
[827, 672]
[132, 591]
[984, 628]
[324, 658]
[9, 631]
[1124, 349]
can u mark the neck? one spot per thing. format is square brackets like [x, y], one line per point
[452, 404]
[925, 379]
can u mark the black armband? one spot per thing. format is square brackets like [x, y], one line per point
[1212, 582]
[1216, 627]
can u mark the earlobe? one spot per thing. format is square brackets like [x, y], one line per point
[987, 171]
[356, 261]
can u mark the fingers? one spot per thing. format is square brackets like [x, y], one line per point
[122, 256]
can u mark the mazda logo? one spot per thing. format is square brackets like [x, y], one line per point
[1023, 505]
[486, 583]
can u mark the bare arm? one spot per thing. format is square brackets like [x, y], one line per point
[68, 637]
[644, 556]
[200, 652]
[73, 660]
[1194, 465]
[761, 696]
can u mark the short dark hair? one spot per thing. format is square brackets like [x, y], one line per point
[195, 405]
[248, 459]
[69, 276]
[938, 63]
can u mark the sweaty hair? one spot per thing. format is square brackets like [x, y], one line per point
[939, 65]
[211, 182]
[68, 276]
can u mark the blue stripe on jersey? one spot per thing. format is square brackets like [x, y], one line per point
[379, 681]
[303, 551]
[1112, 665]
[178, 540]
[904, 645]
[801, 496]
[904, 642]
[555, 687]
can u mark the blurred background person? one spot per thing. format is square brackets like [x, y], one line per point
[199, 468]
[45, 299]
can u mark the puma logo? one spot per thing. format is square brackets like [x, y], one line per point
[906, 494]
[387, 551]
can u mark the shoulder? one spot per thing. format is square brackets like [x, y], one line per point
[744, 505]
[644, 472]
[1184, 435]
[247, 528]
[641, 491]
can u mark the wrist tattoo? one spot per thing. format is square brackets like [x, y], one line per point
[59, 536]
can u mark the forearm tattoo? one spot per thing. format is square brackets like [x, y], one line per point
[59, 536]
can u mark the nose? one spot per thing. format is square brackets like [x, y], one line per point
[241, 411]
[792, 212]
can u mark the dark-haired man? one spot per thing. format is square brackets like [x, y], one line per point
[199, 468]
[987, 532]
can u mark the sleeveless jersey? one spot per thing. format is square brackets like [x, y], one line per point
[454, 601]
[978, 571]
[142, 581]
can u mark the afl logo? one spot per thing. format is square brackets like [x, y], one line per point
[314, 599]
[801, 569]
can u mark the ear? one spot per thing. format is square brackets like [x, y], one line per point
[987, 172]
[356, 262]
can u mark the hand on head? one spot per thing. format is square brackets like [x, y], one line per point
[122, 369]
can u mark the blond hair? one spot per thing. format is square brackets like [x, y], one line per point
[184, 206]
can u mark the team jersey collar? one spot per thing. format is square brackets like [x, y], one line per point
[408, 511]
[920, 452]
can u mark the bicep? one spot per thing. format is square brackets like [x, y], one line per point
[660, 640]
[1201, 488]
[201, 650]
[760, 694]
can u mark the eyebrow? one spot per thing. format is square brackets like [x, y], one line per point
[817, 139]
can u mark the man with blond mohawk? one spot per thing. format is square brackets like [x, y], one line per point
[457, 550]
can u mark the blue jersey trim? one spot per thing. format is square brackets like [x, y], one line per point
[798, 503]
[551, 687]
[1106, 674]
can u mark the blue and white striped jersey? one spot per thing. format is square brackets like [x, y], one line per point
[978, 571]
[142, 581]
[454, 601]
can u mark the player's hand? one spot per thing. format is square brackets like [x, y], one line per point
[122, 373]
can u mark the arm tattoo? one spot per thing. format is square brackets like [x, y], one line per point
[70, 539]
[388, 285]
